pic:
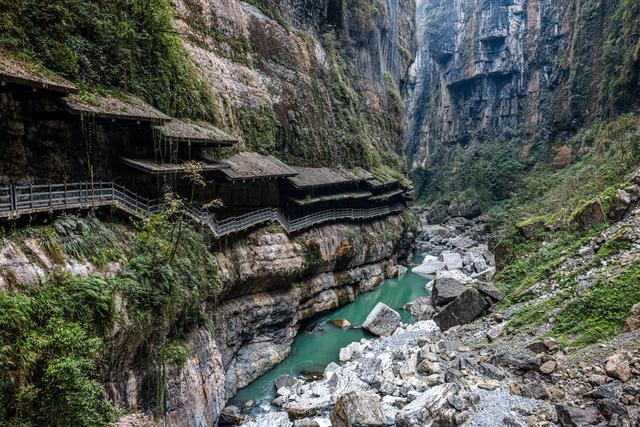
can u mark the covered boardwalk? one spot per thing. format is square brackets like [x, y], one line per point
[250, 181]
[314, 189]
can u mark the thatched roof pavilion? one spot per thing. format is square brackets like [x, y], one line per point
[120, 108]
[15, 74]
[202, 133]
[248, 166]
[155, 168]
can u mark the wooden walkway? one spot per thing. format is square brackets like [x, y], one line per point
[16, 201]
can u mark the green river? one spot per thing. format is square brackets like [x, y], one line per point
[313, 351]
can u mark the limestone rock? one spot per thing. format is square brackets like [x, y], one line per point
[340, 323]
[451, 260]
[382, 320]
[590, 215]
[430, 266]
[491, 292]
[448, 286]
[358, 409]
[619, 205]
[468, 210]
[427, 407]
[275, 419]
[570, 416]
[529, 229]
[464, 309]
[421, 308]
[285, 381]
[618, 367]
[548, 367]
[631, 324]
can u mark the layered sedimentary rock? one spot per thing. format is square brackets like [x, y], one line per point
[534, 68]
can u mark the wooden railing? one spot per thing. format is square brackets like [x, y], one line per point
[26, 199]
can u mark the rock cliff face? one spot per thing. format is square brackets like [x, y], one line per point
[271, 284]
[535, 68]
[313, 81]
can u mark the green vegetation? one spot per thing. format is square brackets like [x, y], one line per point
[411, 221]
[513, 190]
[532, 261]
[48, 352]
[57, 337]
[600, 313]
[123, 45]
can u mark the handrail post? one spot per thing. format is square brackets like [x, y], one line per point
[65, 194]
[14, 201]
[50, 196]
[30, 196]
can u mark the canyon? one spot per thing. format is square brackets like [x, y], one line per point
[515, 122]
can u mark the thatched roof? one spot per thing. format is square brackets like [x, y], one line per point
[388, 195]
[123, 107]
[248, 165]
[330, 198]
[20, 73]
[155, 168]
[204, 133]
[320, 177]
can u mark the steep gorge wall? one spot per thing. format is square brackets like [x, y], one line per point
[536, 70]
[313, 82]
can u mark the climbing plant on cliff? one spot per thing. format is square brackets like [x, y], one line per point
[122, 44]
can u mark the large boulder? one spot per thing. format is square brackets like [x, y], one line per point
[491, 292]
[571, 416]
[285, 381]
[619, 205]
[618, 367]
[432, 406]
[470, 305]
[451, 260]
[531, 227]
[448, 286]
[358, 409]
[382, 321]
[437, 214]
[468, 210]
[590, 215]
[430, 266]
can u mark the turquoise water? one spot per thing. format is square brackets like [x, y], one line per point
[313, 351]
